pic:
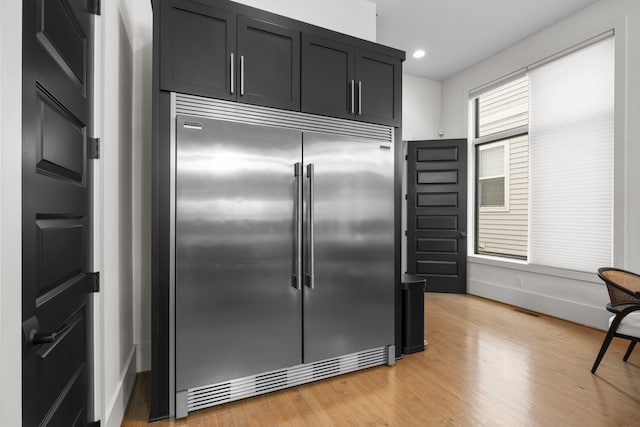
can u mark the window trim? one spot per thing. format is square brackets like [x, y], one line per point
[506, 134]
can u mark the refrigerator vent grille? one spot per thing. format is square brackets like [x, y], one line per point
[240, 388]
[252, 114]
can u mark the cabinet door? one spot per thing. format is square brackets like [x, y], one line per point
[196, 44]
[379, 84]
[327, 77]
[268, 64]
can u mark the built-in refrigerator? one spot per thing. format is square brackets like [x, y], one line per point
[284, 253]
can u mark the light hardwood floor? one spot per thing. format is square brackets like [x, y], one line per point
[486, 364]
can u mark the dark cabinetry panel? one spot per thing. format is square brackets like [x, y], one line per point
[379, 88]
[196, 43]
[217, 53]
[340, 80]
[269, 69]
[327, 77]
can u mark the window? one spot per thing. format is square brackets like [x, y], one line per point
[502, 117]
[544, 157]
[492, 178]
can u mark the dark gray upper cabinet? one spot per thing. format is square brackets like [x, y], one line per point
[196, 44]
[379, 88]
[269, 64]
[328, 85]
[225, 50]
[217, 53]
[340, 80]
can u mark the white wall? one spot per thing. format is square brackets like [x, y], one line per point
[141, 34]
[354, 17]
[115, 350]
[10, 211]
[577, 297]
[421, 108]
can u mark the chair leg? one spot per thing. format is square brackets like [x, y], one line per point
[605, 346]
[629, 350]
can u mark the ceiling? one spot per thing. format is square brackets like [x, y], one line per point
[458, 33]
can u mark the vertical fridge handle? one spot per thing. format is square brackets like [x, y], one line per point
[310, 208]
[297, 278]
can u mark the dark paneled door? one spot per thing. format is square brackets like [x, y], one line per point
[437, 213]
[56, 225]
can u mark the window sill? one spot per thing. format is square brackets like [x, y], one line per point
[520, 265]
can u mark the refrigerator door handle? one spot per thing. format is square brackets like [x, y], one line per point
[298, 276]
[310, 208]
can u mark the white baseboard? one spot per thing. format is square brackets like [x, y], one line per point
[143, 356]
[118, 403]
[595, 317]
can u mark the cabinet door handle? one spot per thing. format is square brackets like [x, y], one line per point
[241, 75]
[353, 96]
[360, 97]
[233, 83]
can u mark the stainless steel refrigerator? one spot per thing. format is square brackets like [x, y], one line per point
[284, 257]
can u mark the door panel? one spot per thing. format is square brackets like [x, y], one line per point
[269, 68]
[61, 246]
[235, 211]
[63, 39]
[327, 73]
[56, 221]
[437, 213]
[60, 141]
[196, 44]
[350, 306]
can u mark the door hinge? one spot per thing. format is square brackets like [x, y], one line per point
[94, 148]
[406, 197]
[94, 283]
[406, 157]
[93, 6]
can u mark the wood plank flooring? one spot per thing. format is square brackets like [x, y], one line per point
[486, 364]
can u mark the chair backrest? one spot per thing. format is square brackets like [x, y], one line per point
[623, 286]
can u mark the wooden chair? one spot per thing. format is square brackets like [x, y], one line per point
[624, 293]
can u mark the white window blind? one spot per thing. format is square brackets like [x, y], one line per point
[571, 159]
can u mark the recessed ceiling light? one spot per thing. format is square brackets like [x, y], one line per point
[419, 53]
